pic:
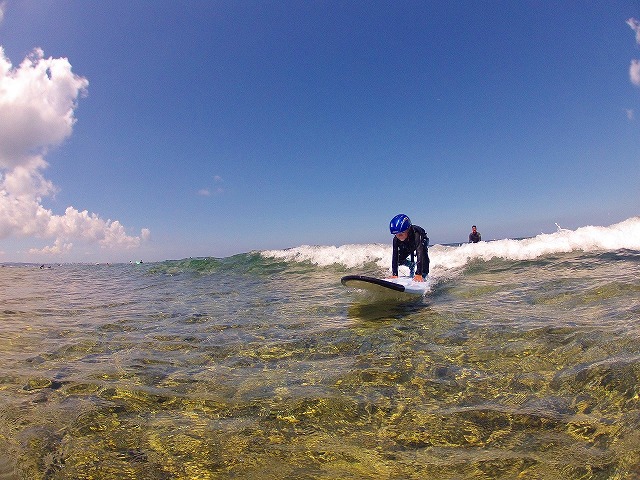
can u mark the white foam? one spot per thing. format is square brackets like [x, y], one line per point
[623, 235]
[349, 256]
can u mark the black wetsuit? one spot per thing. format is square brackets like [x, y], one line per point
[474, 237]
[417, 241]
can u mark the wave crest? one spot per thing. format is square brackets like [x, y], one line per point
[620, 236]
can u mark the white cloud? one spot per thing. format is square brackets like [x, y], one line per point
[37, 103]
[634, 72]
[630, 114]
[206, 192]
[635, 26]
[634, 68]
[57, 248]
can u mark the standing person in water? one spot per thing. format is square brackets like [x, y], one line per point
[408, 240]
[474, 236]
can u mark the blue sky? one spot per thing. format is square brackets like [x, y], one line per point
[209, 128]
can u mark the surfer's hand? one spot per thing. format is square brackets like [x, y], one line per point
[418, 278]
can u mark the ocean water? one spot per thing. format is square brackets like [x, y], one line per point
[521, 362]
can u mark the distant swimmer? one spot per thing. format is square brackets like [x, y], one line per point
[474, 236]
[407, 240]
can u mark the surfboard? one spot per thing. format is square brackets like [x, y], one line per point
[394, 286]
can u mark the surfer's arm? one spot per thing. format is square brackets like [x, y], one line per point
[394, 259]
[421, 253]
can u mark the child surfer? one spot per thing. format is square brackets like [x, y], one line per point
[407, 239]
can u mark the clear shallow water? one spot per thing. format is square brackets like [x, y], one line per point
[265, 366]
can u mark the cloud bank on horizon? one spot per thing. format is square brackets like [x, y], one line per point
[37, 103]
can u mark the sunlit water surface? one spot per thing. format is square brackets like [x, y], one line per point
[258, 368]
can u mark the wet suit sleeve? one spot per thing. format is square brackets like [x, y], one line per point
[419, 251]
[422, 255]
[394, 258]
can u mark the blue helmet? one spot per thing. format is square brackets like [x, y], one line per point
[399, 224]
